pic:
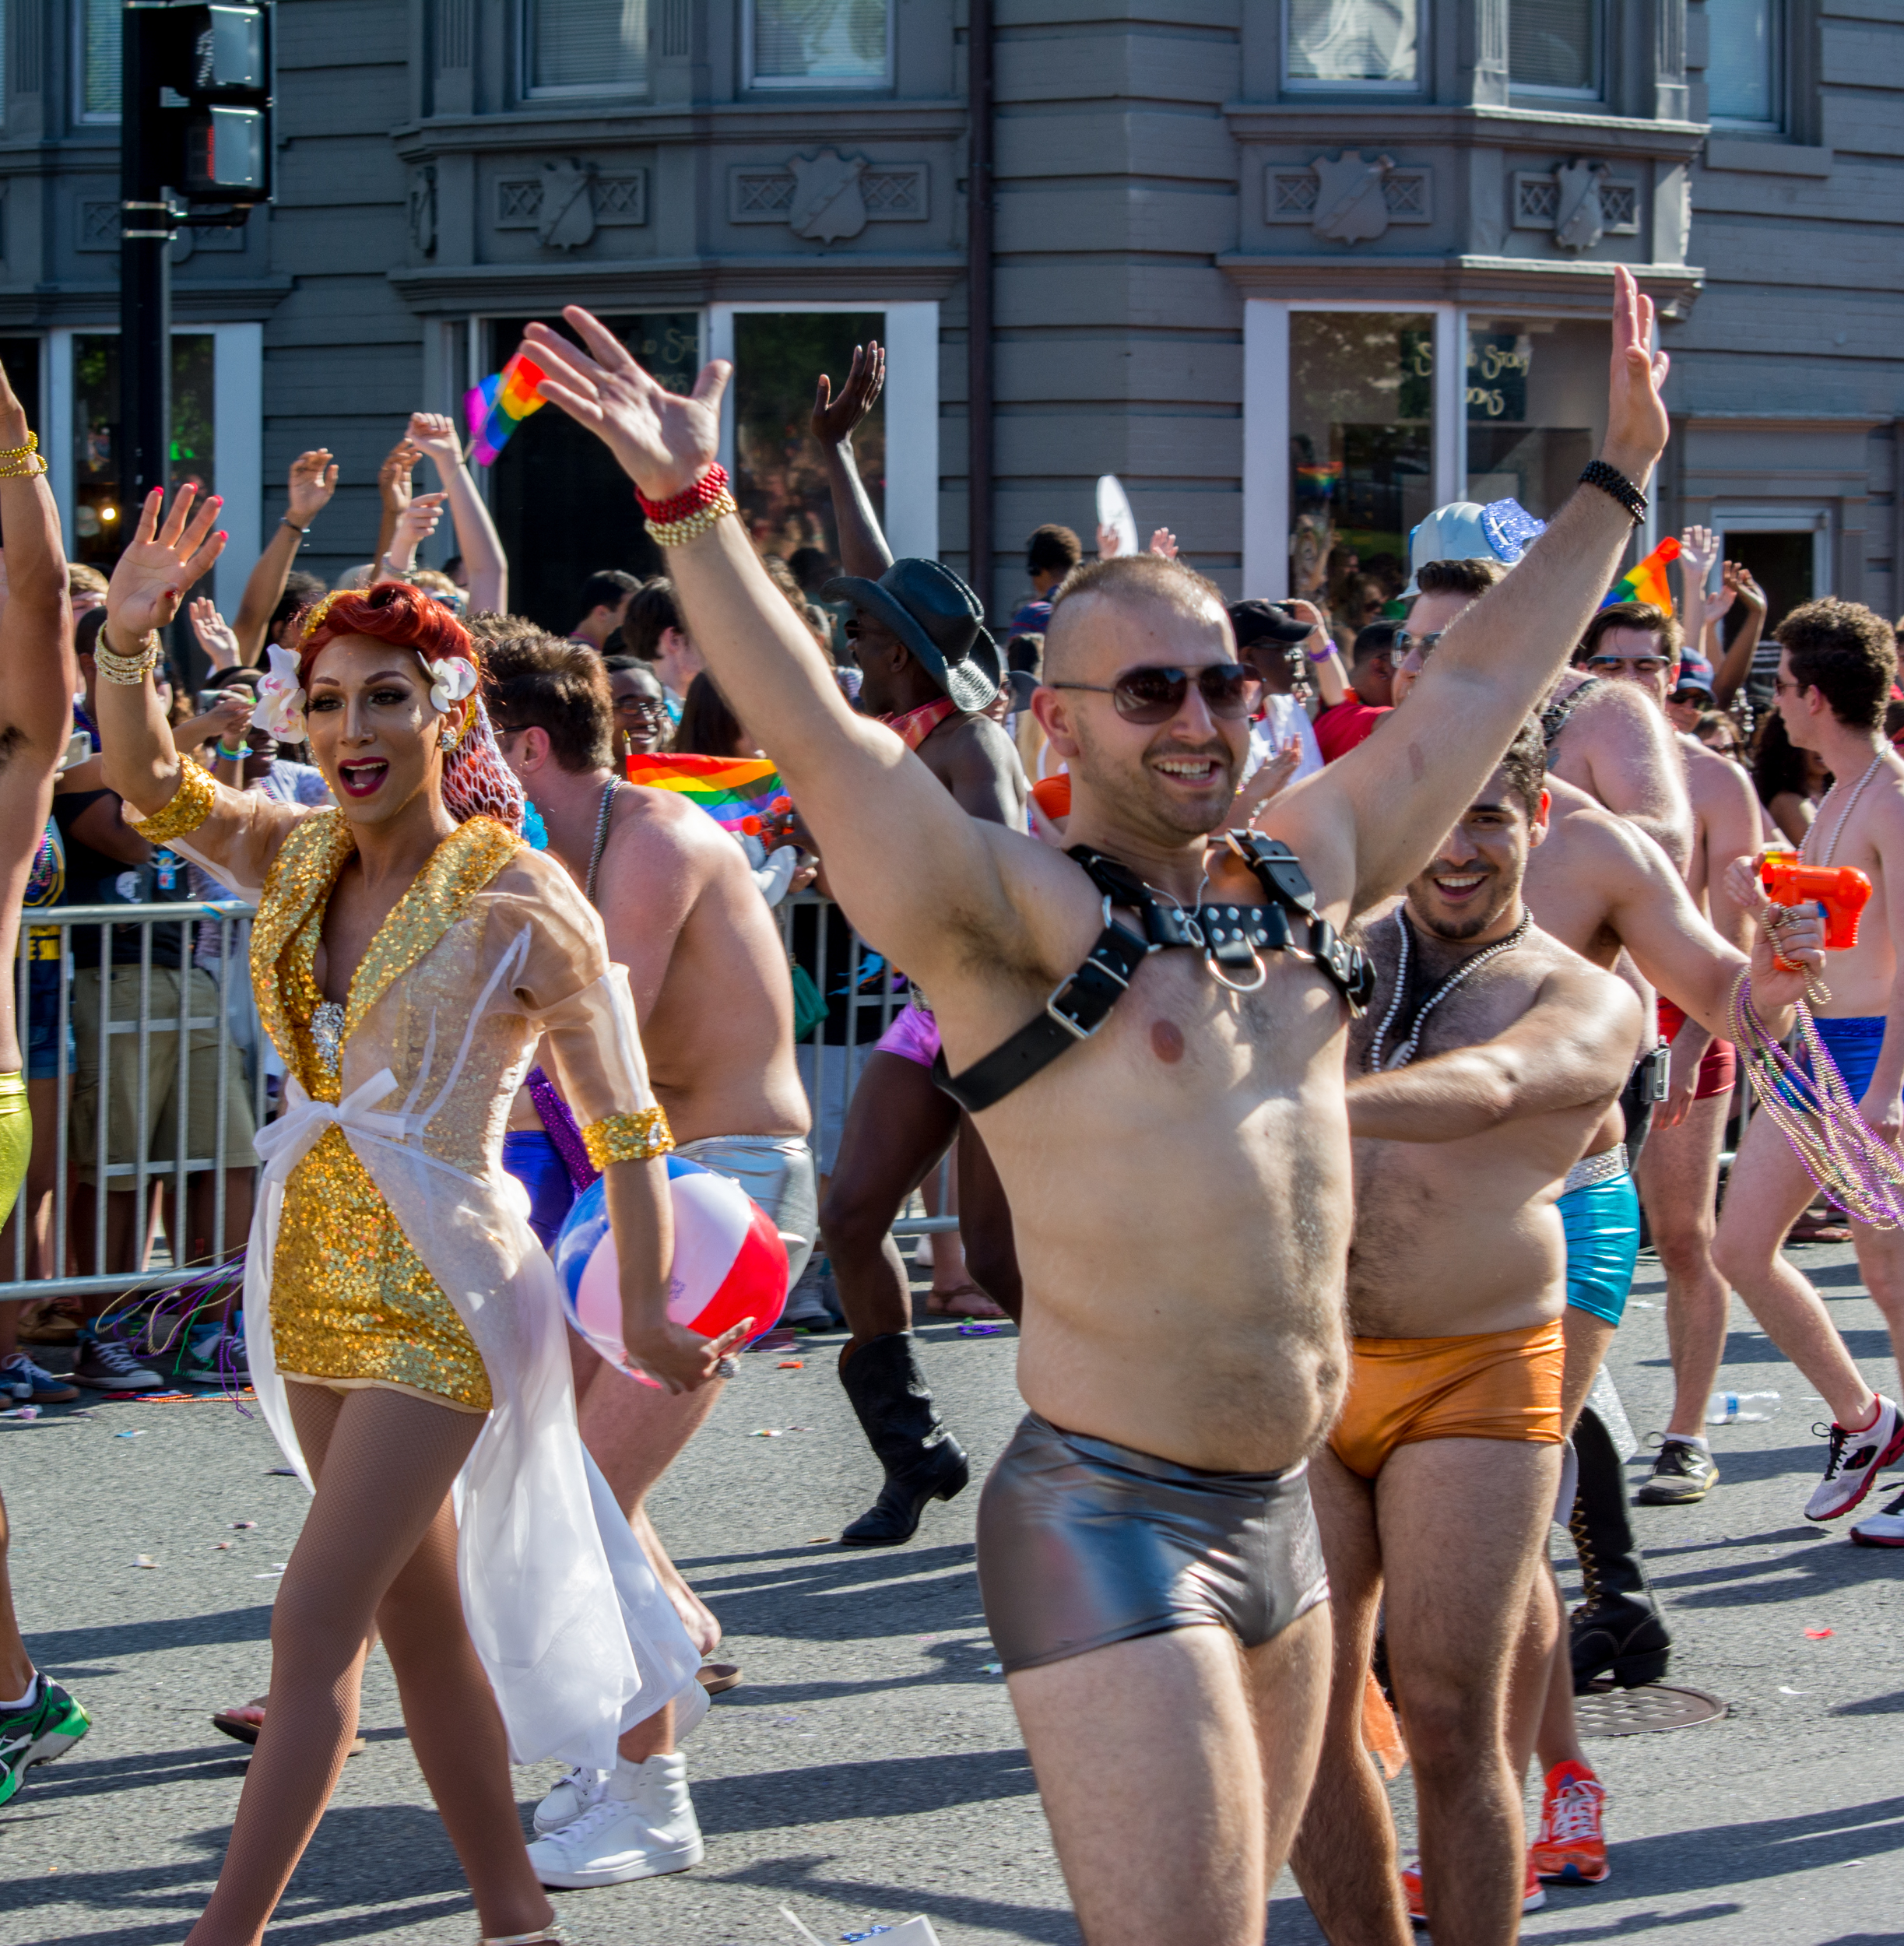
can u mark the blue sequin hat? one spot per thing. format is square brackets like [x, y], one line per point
[1465, 530]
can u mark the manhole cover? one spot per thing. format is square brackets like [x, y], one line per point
[1628, 1712]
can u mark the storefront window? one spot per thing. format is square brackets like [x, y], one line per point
[101, 526]
[1536, 407]
[1361, 450]
[779, 477]
[564, 507]
[1351, 43]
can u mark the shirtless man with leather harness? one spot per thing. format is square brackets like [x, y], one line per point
[1179, 1171]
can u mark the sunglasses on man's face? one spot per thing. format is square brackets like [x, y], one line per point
[1229, 689]
[1692, 698]
[1639, 665]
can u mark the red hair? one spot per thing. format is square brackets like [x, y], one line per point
[392, 612]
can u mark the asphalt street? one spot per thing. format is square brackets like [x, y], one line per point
[868, 1767]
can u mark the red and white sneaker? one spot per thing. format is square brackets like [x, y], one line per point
[1855, 1460]
[1571, 1842]
[1533, 1894]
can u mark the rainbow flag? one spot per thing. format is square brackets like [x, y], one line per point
[738, 792]
[1646, 580]
[495, 407]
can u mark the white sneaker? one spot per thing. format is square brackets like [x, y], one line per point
[1885, 1529]
[641, 1826]
[577, 1790]
[1856, 1458]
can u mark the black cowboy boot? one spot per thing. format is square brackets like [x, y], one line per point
[923, 1460]
[1619, 1629]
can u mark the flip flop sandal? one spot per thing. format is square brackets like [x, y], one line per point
[967, 1301]
[246, 1731]
[718, 1677]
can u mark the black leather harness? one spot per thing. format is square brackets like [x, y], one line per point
[1231, 938]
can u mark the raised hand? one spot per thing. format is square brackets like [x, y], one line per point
[1698, 553]
[215, 635]
[417, 523]
[663, 440]
[1107, 542]
[393, 477]
[434, 435]
[1740, 580]
[835, 420]
[1636, 422]
[313, 480]
[153, 574]
[1164, 544]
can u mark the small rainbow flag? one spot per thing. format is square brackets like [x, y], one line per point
[495, 407]
[1646, 580]
[739, 793]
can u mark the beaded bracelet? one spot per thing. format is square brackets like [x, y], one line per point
[678, 533]
[126, 672]
[230, 756]
[1611, 480]
[703, 493]
[21, 462]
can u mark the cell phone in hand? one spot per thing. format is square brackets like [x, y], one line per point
[208, 700]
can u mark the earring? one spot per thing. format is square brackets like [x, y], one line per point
[446, 737]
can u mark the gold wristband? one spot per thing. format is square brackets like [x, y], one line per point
[628, 1138]
[21, 462]
[678, 533]
[190, 806]
[127, 671]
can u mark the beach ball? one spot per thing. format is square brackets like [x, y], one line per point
[729, 1262]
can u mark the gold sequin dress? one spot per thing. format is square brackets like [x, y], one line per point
[390, 1248]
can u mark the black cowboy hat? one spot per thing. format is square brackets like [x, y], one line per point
[937, 617]
[1261, 621]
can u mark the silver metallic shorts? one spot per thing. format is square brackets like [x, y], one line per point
[1083, 1542]
[777, 1171]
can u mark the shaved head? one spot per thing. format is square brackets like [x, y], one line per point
[1186, 609]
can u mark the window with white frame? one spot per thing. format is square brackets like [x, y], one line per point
[1554, 46]
[97, 61]
[1337, 44]
[1742, 77]
[820, 43]
[586, 46]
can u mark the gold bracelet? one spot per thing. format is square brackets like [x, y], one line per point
[628, 1138]
[678, 533]
[126, 672]
[190, 805]
[21, 462]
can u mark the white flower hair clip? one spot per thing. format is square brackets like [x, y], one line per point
[280, 706]
[450, 679]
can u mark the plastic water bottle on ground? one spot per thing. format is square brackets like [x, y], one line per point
[1735, 1408]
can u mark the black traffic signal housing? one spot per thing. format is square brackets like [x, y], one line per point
[202, 75]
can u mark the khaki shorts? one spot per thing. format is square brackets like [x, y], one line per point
[156, 1130]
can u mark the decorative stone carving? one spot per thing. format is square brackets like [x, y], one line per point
[1350, 206]
[1295, 194]
[1581, 203]
[827, 206]
[566, 218]
[889, 192]
[423, 210]
[520, 200]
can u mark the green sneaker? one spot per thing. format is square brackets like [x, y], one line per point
[47, 1727]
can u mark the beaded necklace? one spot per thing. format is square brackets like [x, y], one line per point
[1371, 1059]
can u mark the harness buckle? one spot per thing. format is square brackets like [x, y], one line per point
[1064, 986]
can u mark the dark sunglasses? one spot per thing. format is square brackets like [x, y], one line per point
[1693, 698]
[1229, 689]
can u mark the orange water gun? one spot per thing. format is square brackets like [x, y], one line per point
[1841, 891]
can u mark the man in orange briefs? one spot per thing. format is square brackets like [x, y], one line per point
[1487, 1059]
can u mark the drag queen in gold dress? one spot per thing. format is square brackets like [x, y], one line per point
[405, 1329]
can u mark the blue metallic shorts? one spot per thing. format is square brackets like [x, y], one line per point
[1602, 1222]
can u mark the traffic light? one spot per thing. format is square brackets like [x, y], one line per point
[204, 73]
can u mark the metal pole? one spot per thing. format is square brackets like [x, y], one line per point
[978, 299]
[145, 278]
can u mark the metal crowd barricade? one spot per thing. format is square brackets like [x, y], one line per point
[46, 934]
[858, 985]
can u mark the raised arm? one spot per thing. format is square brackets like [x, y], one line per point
[1729, 675]
[1698, 554]
[855, 783]
[313, 480]
[477, 539]
[415, 524]
[1396, 794]
[394, 488]
[1573, 1046]
[862, 546]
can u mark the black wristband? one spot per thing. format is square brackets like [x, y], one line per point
[285, 520]
[1610, 480]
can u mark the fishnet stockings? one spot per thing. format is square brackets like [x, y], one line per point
[377, 1552]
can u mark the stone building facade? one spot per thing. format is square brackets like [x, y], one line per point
[1295, 270]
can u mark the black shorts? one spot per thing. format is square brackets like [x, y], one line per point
[1083, 1542]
